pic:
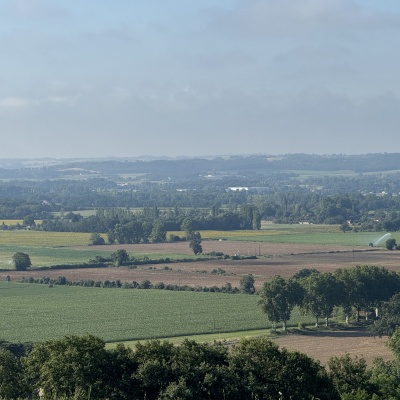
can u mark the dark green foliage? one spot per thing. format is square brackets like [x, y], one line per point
[158, 232]
[119, 257]
[80, 367]
[345, 227]
[247, 284]
[29, 220]
[189, 371]
[278, 298]
[194, 238]
[96, 239]
[304, 273]
[130, 232]
[111, 237]
[322, 292]
[265, 372]
[188, 226]
[17, 349]
[394, 342]
[21, 261]
[11, 375]
[350, 375]
[390, 244]
[146, 284]
[70, 366]
[389, 317]
[195, 243]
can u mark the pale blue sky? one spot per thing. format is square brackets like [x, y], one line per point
[130, 78]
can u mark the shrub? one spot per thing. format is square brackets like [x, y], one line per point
[96, 239]
[21, 261]
[390, 244]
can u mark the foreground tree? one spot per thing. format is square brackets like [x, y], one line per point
[72, 366]
[263, 371]
[278, 298]
[350, 375]
[21, 261]
[189, 371]
[386, 374]
[11, 376]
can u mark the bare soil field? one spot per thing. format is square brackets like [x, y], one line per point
[323, 345]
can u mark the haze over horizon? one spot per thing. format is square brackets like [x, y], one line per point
[123, 79]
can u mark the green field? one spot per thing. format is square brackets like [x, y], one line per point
[43, 239]
[47, 256]
[338, 239]
[32, 312]
[54, 248]
[300, 234]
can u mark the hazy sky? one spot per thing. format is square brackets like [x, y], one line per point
[134, 77]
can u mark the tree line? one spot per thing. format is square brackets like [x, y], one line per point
[361, 288]
[126, 226]
[243, 210]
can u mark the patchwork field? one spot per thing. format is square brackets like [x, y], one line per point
[38, 312]
[276, 259]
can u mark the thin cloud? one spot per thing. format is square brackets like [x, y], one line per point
[273, 18]
[38, 9]
[222, 59]
[14, 102]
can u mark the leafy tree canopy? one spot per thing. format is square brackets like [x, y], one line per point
[21, 261]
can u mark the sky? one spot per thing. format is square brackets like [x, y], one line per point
[123, 78]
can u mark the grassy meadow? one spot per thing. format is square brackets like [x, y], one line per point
[32, 312]
[300, 234]
[52, 248]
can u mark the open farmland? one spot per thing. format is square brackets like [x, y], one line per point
[283, 258]
[37, 312]
[209, 273]
[32, 312]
